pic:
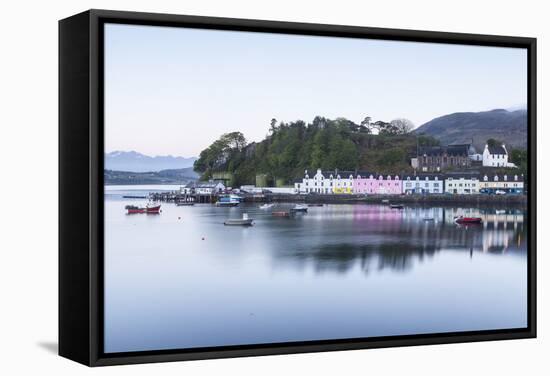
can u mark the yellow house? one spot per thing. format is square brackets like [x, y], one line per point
[343, 185]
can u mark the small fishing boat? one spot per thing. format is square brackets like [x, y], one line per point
[148, 209]
[468, 220]
[280, 214]
[266, 206]
[228, 200]
[500, 211]
[385, 201]
[245, 221]
[397, 206]
[429, 219]
[300, 208]
[132, 209]
[185, 203]
[314, 205]
[152, 209]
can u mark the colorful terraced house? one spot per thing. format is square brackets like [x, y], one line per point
[366, 183]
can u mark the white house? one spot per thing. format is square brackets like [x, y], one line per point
[496, 156]
[461, 184]
[423, 184]
[327, 182]
[209, 188]
[314, 184]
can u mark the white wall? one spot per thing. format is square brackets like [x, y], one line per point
[28, 276]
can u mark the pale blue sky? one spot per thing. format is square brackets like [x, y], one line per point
[175, 90]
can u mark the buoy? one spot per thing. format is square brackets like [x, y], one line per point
[203, 238]
[179, 217]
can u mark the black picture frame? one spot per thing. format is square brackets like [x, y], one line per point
[81, 185]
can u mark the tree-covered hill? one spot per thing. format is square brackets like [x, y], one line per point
[291, 148]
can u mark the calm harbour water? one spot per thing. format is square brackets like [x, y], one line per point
[181, 279]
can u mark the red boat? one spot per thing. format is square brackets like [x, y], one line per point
[148, 209]
[468, 220]
[152, 209]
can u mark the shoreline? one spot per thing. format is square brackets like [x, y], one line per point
[479, 199]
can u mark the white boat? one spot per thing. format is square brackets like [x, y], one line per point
[228, 200]
[266, 206]
[299, 208]
[245, 221]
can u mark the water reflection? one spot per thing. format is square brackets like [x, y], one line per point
[374, 238]
[182, 279]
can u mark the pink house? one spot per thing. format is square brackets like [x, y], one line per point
[377, 184]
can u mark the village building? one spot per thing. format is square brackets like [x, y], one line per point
[462, 183]
[423, 184]
[317, 183]
[326, 182]
[440, 158]
[209, 188]
[496, 156]
[367, 183]
[252, 189]
[342, 182]
[501, 183]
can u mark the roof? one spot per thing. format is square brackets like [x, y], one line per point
[511, 177]
[462, 175]
[454, 150]
[334, 173]
[498, 150]
[423, 176]
[345, 174]
[209, 184]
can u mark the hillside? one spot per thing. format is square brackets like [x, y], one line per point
[461, 127]
[293, 147]
[173, 176]
[137, 162]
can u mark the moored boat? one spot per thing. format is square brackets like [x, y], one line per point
[468, 220]
[396, 206]
[245, 221]
[152, 209]
[300, 208]
[228, 200]
[132, 209]
[149, 209]
[314, 205]
[266, 206]
[280, 214]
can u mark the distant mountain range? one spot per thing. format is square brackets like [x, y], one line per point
[137, 162]
[173, 176]
[507, 126]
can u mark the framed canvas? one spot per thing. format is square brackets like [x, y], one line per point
[232, 187]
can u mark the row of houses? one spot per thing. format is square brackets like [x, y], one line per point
[440, 158]
[348, 182]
